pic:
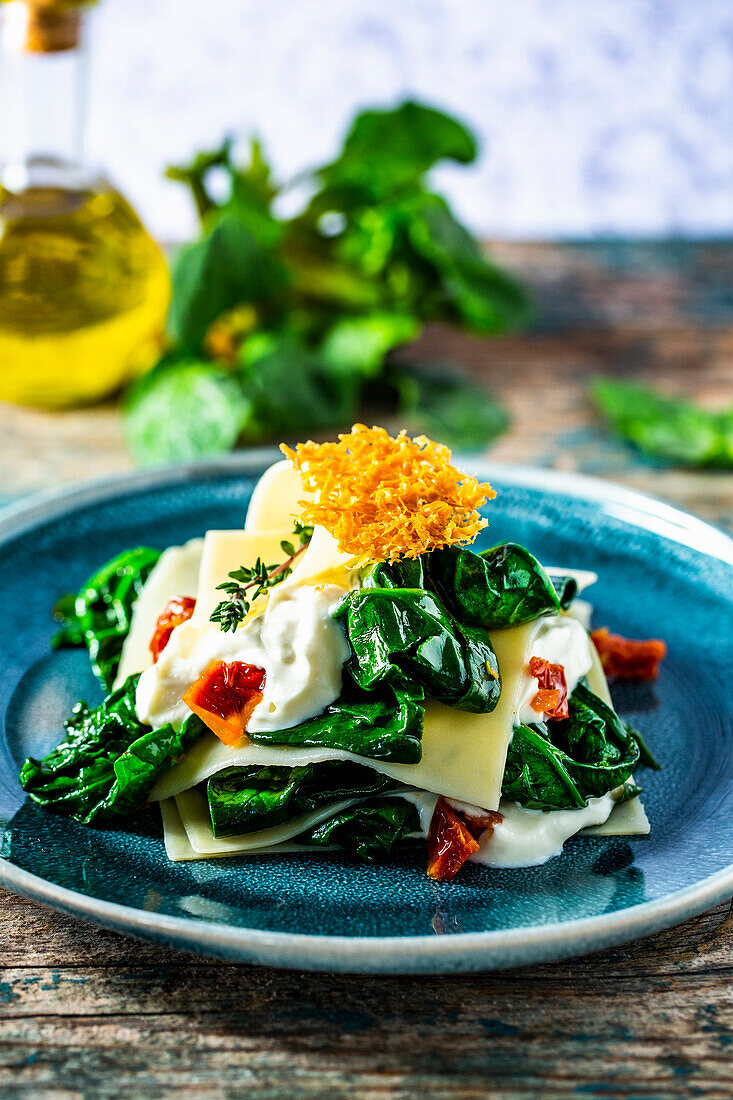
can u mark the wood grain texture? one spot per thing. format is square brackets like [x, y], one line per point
[89, 1013]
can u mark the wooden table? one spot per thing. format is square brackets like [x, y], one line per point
[87, 1013]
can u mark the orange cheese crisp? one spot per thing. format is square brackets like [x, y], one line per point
[388, 498]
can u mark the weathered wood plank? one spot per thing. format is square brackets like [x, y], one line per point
[652, 1019]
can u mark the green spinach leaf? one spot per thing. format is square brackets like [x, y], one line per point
[108, 762]
[100, 614]
[383, 725]
[503, 586]
[244, 800]
[561, 764]
[368, 830]
[404, 636]
[666, 427]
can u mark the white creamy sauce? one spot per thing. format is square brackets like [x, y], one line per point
[527, 838]
[561, 640]
[295, 640]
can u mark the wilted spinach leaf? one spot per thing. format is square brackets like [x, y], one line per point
[244, 800]
[404, 636]
[383, 725]
[367, 830]
[100, 614]
[665, 427]
[559, 765]
[108, 762]
[503, 586]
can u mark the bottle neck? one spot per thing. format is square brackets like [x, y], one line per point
[43, 89]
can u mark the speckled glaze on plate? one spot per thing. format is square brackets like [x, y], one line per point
[662, 573]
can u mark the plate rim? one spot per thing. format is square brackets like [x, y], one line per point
[455, 952]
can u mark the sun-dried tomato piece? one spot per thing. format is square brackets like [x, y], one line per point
[450, 843]
[552, 698]
[453, 837]
[627, 658]
[176, 611]
[224, 697]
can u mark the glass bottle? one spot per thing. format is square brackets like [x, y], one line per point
[84, 289]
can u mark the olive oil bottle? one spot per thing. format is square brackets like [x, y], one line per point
[84, 289]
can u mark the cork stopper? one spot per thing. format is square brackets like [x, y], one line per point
[51, 26]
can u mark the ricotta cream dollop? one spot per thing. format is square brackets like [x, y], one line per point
[295, 640]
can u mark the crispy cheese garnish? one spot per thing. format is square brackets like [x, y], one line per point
[386, 497]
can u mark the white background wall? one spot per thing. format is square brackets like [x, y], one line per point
[595, 116]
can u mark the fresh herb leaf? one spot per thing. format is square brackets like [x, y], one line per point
[194, 175]
[100, 614]
[473, 291]
[368, 830]
[665, 427]
[244, 800]
[358, 345]
[108, 762]
[248, 583]
[182, 411]
[307, 309]
[390, 150]
[288, 385]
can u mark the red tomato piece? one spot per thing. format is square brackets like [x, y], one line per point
[629, 659]
[552, 698]
[176, 611]
[224, 697]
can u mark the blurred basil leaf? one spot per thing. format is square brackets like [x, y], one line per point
[359, 344]
[477, 293]
[388, 150]
[287, 385]
[183, 410]
[666, 427]
[449, 407]
[225, 267]
[307, 307]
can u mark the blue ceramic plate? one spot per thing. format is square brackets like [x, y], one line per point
[662, 573]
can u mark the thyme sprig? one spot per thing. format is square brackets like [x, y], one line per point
[247, 583]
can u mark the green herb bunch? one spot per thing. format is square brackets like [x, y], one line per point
[247, 583]
[283, 325]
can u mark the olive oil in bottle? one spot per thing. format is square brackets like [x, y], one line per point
[84, 289]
